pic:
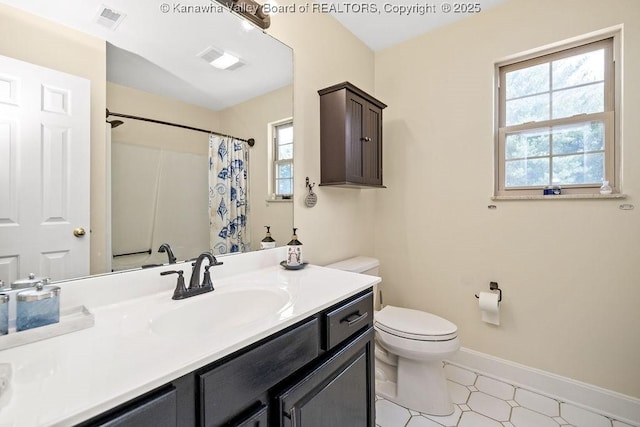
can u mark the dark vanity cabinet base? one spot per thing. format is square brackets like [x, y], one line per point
[337, 392]
[316, 373]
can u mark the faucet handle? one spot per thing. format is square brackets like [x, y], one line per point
[181, 291]
[206, 278]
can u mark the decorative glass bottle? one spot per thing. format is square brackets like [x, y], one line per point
[606, 188]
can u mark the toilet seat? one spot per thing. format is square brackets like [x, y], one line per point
[414, 324]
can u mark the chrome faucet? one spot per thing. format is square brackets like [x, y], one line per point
[166, 248]
[195, 288]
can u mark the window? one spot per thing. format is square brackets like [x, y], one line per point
[282, 164]
[556, 121]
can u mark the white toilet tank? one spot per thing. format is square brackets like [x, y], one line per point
[362, 265]
[358, 264]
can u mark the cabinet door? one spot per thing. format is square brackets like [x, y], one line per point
[364, 148]
[228, 390]
[356, 110]
[372, 145]
[343, 382]
[158, 410]
[257, 419]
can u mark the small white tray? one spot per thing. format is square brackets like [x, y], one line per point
[71, 320]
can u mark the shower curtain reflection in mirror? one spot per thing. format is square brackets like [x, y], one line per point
[228, 195]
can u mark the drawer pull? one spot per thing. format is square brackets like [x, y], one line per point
[354, 318]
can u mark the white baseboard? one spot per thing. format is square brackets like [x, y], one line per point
[612, 404]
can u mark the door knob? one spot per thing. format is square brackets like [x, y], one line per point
[79, 232]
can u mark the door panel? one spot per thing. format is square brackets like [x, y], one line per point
[344, 382]
[355, 112]
[44, 171]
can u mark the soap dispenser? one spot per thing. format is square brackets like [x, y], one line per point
[267, 242]
[294, 251]
[38, 306]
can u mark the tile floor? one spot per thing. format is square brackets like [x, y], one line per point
[482, 401]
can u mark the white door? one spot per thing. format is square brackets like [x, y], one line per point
[44, 172]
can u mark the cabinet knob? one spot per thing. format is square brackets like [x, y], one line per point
[365, 139]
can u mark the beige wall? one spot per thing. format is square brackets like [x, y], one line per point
[251, 120]
[569, 270]
[38, 41]
[126, 100]
[325, 53]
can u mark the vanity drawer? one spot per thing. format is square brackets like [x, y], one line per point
[345, 320]
[227, 390]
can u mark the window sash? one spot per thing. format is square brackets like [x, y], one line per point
[280, 161]
[607, 117]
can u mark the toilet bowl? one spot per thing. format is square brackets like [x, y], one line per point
[410, 347]
[421, 341]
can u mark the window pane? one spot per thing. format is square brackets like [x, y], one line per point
[285, 186]
[578, 169]
[285, 134]
[578, 138]
[527, 144]
[527, 172]
[529, 109]
[527, 81]
[285, 170]
[285, 152]
[579, 100]
[578, 69]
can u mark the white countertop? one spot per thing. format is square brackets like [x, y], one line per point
[67, 379]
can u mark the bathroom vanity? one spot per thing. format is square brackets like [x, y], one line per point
[317, 372]
[298, 351]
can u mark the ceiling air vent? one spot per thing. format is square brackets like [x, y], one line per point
[109, 17]
[221, 60]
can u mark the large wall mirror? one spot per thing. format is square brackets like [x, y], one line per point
[159, 67]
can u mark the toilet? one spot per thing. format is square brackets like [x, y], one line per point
[411, 346]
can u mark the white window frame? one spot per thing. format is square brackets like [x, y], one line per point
[610, 117]
[273, 162]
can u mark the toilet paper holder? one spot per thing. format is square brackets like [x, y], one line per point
[494, 287]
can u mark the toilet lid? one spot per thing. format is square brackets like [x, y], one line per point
[414, 324]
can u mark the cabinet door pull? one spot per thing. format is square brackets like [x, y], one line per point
[354, 318]
[365, 139]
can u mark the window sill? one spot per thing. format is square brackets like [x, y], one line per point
[279, 200]
[562, 197]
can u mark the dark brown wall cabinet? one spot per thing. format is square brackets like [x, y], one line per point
[350, 137]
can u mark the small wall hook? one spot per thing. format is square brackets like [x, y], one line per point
[311, 199]
[493, 286]
[309, 186]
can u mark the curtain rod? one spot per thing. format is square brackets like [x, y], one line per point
[251, 142]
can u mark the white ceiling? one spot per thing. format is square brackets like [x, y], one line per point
[388, 27]
[157, 52]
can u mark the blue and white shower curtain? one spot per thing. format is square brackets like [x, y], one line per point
[228, 195]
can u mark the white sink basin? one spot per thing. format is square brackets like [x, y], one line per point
[220, 310]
